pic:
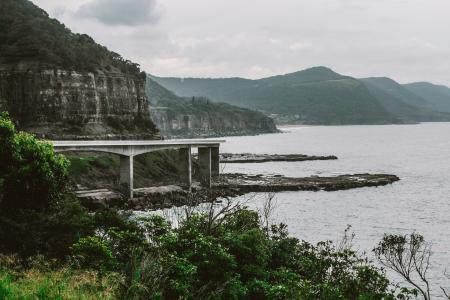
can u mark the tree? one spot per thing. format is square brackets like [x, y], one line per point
[32, 176]
[35, 214]
[409, 257]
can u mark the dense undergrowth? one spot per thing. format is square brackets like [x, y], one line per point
[29, 34]
[101, 170]
[53, 248]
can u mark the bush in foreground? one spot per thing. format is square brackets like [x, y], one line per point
[40, 281]
[32, 176]
[230, 254]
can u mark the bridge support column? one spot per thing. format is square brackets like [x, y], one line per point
[185, 164]
[204, 160]
[215, 161]
[126, 175]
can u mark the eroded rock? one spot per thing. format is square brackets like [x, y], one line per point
[230, 185]
[260, 158]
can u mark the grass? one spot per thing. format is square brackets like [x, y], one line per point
[101, 170]
[40, 279]
[59, 284]
[79, 165]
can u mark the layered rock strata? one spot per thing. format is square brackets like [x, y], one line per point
[60, 104]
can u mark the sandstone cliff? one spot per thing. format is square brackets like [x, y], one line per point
[199, 117]
[59, 104]
[63, 85]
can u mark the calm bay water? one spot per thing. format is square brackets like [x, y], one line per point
[418, 154]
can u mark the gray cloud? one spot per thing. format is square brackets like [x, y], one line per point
[120, 12]
[401, 39]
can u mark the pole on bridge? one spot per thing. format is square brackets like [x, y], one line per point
[204, 161]
[185, 165]
[215, 161]
[126, 175]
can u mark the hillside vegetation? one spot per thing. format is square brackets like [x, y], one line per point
[403, 103]
[317, 96]
[437, 95]
[199, 116]
[313, 96]
[28, 34]
[63, 85]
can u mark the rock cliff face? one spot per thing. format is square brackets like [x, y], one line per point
[199, 117]
[59, 104]
[208, 123]
[63, 85]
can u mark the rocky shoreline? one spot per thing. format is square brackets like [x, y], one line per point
[261, 158]
[245, 183]
[228, 185]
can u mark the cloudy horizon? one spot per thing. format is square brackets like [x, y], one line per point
[401, 39]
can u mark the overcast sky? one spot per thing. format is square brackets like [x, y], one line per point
[407, 40]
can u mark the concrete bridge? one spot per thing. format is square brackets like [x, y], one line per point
[208, 156]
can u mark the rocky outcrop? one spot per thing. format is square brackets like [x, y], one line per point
[261, 158]
[60, 104]
[226, 186]
[244, 183]
[200, 117]
[210, 123]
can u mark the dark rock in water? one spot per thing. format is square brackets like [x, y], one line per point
[229, 185]
[260, 158]
[275, 183]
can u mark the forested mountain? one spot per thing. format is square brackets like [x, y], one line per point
[403, 103]
[198, 116]
[28, 34]
[438, 95]
[321, 96]
[63, 85]
[398, 91]
[314, 96]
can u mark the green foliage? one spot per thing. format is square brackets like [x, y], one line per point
[32, 176]
[233, 257]
[93, 252]
[59, 283]
[409, 257]
[437, 95]
[95, 170]
[34, 215]
[222, 118]
[51, 232]
[207, 256]
[27, 33]
[79, 165]
[313, 96]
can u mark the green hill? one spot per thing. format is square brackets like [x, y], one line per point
[438, 95]
[401, 102]
[198, 116]
[62, 85]
[28, 34]
[313, 96]
[321, 96]
[397, 90]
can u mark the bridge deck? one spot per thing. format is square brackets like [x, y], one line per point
[108, 143]
[208, 156]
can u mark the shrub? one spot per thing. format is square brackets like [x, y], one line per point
[93, 253]
[52, 232]
[233, 257]
[32, 176]
[59, 283]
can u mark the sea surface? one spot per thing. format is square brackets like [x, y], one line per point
[420, 202]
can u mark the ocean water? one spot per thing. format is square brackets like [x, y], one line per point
[420, 202]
